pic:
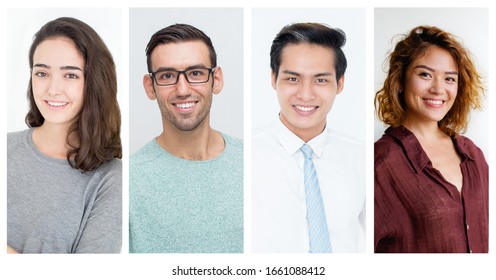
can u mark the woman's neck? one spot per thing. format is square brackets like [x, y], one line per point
[51, 140]
[425, 130]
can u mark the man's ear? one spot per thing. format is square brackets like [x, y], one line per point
[340, 84]
[148, 85]
[218, 77]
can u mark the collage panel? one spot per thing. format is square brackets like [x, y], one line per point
[308, 139]
[64, 169]
[186, 165]
[431, 188]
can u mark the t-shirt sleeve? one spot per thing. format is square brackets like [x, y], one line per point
[102, 232]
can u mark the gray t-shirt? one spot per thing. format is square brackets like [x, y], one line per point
[54, 208]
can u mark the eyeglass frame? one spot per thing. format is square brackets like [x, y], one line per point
[211, 70]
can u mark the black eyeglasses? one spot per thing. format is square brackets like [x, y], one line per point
[193, 76]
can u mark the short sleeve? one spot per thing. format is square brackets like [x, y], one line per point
[102, 232]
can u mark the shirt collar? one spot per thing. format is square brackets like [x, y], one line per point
[463, 149]
[414, 151]
[292, 143]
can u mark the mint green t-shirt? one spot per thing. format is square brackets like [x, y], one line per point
[183, 206]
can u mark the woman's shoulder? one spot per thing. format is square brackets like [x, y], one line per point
[465, 141]
[385, 147]
[17, 136]
[114, 167]
[20, 143]
[467, 146]
[107, 175]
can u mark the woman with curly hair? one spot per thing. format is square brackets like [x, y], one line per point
[431, 183]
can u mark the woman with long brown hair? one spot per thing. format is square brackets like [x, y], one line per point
[64, 173]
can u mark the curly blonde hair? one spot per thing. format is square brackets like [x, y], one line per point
[389, 100]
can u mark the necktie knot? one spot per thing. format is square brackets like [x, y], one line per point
[307, 151]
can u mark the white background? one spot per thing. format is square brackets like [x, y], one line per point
[471, 26]
[159, 266]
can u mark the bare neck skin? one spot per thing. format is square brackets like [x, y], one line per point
[51, 140]
[305, 134]
[201, 143]
[425, 130]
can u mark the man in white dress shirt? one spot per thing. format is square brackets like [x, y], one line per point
[308, 68]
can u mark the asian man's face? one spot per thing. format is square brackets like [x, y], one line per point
[306, 86]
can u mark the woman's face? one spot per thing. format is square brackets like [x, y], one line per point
[58, 80]
[431, 86]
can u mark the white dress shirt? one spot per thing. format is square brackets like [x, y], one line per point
[279, 223]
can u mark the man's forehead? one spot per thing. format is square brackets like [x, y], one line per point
[195, 52]
[308, 49]
[197, 45]
[308, 59]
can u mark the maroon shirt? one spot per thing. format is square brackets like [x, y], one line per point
[417, 210]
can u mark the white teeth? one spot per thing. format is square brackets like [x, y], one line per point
[434, 102]
[57, 104]
[185, 105]
[305, 109]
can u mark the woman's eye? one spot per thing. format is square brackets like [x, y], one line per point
[72, 76]
[40, 74]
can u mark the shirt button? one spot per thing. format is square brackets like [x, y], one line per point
[470, 251]
[468, 227]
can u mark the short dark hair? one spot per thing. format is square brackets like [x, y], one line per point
[97, 128]
[310, 33]
[179, 32]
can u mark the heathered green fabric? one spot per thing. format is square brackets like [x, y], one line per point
[182, 206]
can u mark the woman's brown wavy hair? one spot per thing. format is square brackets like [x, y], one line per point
[389, 100]
[97, 128]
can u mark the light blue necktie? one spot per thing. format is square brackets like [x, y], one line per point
[318, 232]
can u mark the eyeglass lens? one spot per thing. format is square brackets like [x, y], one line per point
[170, 77]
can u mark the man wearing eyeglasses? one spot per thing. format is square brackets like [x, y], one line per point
[186, 185]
